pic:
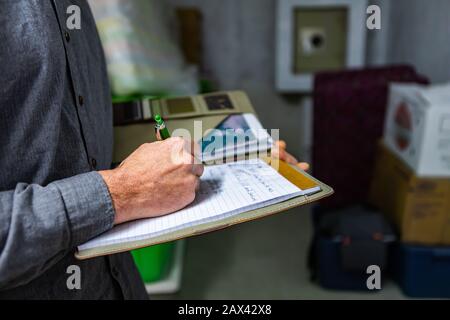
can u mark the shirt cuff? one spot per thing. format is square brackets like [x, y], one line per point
[88, 205]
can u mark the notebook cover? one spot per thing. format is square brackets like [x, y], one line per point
[299, 178]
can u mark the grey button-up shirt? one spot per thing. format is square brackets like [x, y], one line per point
[55, 132]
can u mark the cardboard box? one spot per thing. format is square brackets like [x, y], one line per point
[417, 127]
[418, 207]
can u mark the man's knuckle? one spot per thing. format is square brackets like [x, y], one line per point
[178, 165]
[177, 140]
[143, 146]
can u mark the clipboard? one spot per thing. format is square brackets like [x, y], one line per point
[296, 176]
[128, 138]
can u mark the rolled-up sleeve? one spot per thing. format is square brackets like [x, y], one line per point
[40, 225]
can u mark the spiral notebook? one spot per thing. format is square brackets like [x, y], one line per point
[226, 191]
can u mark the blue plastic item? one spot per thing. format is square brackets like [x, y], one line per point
[326, 258]
[330, 273]
[422, 271]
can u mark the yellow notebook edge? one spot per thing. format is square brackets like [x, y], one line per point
[224, 223]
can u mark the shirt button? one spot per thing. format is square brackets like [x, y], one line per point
[67, 36]
[81, 100]
[94, 163]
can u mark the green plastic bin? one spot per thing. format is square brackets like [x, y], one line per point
[153, 262]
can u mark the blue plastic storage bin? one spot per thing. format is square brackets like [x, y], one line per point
[330, 273]
[325, 259]
[422, 271]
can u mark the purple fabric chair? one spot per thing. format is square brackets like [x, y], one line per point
[349, 110]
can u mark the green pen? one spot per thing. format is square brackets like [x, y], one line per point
[162, 133]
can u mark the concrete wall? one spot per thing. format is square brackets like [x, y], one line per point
[420, 34]
[377, 40]
[239, 51]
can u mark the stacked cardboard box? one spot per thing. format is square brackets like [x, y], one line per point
[411, 185]
[418, 207]
[417, 127]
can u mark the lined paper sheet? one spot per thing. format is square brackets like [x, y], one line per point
[225, 190]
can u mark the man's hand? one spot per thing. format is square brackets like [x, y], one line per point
[157, 179]
[280, 152]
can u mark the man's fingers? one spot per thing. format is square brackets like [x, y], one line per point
[193, 148]
[303, 165]
[280, 144]
[197, 169]
[291, 159]
[197, 185]
[280, 152]
[285, 156]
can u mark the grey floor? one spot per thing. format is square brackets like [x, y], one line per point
[264, 259]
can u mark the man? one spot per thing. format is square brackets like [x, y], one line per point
[56, 191]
